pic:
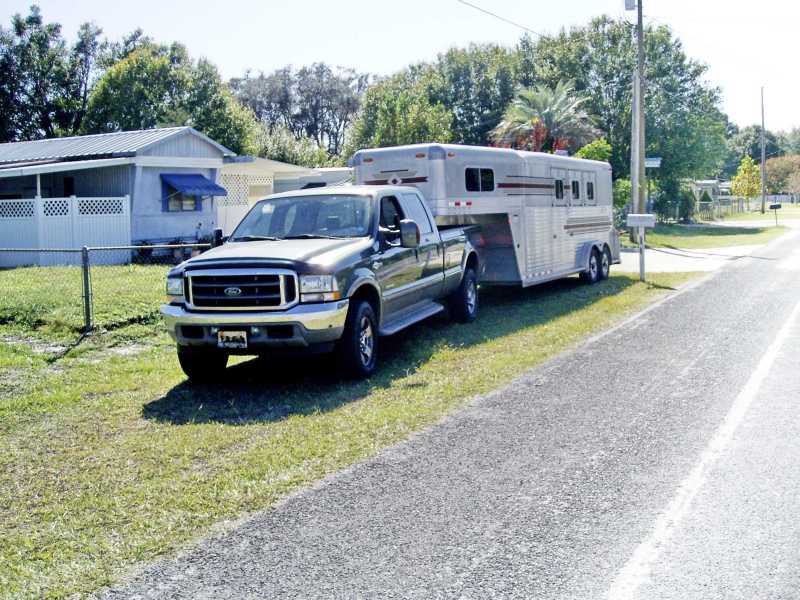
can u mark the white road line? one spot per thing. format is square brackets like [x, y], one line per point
[637, 570]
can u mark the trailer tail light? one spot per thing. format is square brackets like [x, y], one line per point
[420, 155]
[367, 160]
[451, 154]
[469, 202]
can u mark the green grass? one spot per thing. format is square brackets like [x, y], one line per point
[708, 236]
[109, 458]
[50, 299]
[789, 211]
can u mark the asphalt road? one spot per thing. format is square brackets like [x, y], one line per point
[659, 460]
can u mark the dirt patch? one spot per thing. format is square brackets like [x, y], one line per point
[37, 346]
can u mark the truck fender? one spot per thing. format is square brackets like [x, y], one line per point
[367, 279]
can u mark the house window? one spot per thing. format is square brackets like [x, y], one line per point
[479, 180]
[69, 186]
[576, 190]
[180, 202]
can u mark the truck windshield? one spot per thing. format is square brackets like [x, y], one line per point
[300, 217]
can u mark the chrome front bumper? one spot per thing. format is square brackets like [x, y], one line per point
[299, 327]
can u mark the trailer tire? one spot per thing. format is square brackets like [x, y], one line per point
[202, 365]
[357, 349]
[592, 273]
[605, 263]
[464, 301]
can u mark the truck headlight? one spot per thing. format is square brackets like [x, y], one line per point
[318, 288]
[174, 286]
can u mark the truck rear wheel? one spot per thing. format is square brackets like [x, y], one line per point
[357, 350]
[202, 365]
[464, 301]
[592, 273]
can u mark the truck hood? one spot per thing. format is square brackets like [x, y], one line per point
[318, 252]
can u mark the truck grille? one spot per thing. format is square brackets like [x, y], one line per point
[241, 289]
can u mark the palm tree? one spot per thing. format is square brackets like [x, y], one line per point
[543, 118]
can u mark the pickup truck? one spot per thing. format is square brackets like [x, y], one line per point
[320, 270]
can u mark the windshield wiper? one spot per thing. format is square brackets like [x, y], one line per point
[314, 236]
[255, 238]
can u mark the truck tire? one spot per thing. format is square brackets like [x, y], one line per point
[464, 301]
[592, 273]
[357, 350]
[202, 365]
[605, 263]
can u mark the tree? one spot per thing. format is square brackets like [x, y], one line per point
[596, 150]
[316, 101]
[159, 85]
[44, 83]
[779, 170]
[545, 119]
[684, 123]
[747, 181]
[397, 111]
[281, 144]
[747, 142]
[146, 89]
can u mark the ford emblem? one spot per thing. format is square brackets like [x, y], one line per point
[233, 292]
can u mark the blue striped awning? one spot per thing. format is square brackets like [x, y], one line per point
[193, 184]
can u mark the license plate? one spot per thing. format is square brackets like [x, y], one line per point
[232, 339]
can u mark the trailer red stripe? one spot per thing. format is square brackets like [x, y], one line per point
[534, 186]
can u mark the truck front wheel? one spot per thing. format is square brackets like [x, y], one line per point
[357, 351]
[202, 365]
[464, 301]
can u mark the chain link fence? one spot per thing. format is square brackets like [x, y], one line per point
[81, 290]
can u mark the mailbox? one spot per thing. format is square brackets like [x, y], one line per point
[641, 220]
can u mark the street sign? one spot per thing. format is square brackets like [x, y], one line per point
[642, 220]
[652, 162]
[775, 206]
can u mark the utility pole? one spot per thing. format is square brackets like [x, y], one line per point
[763, 159]
[638, 183]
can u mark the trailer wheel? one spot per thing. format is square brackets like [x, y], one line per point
[202, 365]
[464, 301]
[592, 273]
[357, 350]
[605, 263]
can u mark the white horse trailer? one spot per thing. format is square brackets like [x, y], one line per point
[541, 216]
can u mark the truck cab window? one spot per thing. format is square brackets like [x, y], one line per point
[391, 214]
[479, 180]
[414, 210]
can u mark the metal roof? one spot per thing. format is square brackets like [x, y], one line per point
[121, 143]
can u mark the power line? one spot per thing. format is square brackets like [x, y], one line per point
[496, 16]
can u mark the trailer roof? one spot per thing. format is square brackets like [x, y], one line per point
[457, 149]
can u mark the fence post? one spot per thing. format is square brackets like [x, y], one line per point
[87, 291]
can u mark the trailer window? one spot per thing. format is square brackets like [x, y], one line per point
[479, 180]
[559, 189]
[576, 190]
[590, 190]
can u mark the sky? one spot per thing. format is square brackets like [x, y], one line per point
[382, 36]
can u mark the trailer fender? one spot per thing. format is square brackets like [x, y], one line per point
[585, 251]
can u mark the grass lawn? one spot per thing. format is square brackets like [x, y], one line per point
[711, 236]
[50, 299]
[789, 211]
[109, 458]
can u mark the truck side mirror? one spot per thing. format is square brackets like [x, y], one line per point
[409, 233]
[216, 239]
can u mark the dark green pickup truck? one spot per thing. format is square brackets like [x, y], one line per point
[330, 269]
